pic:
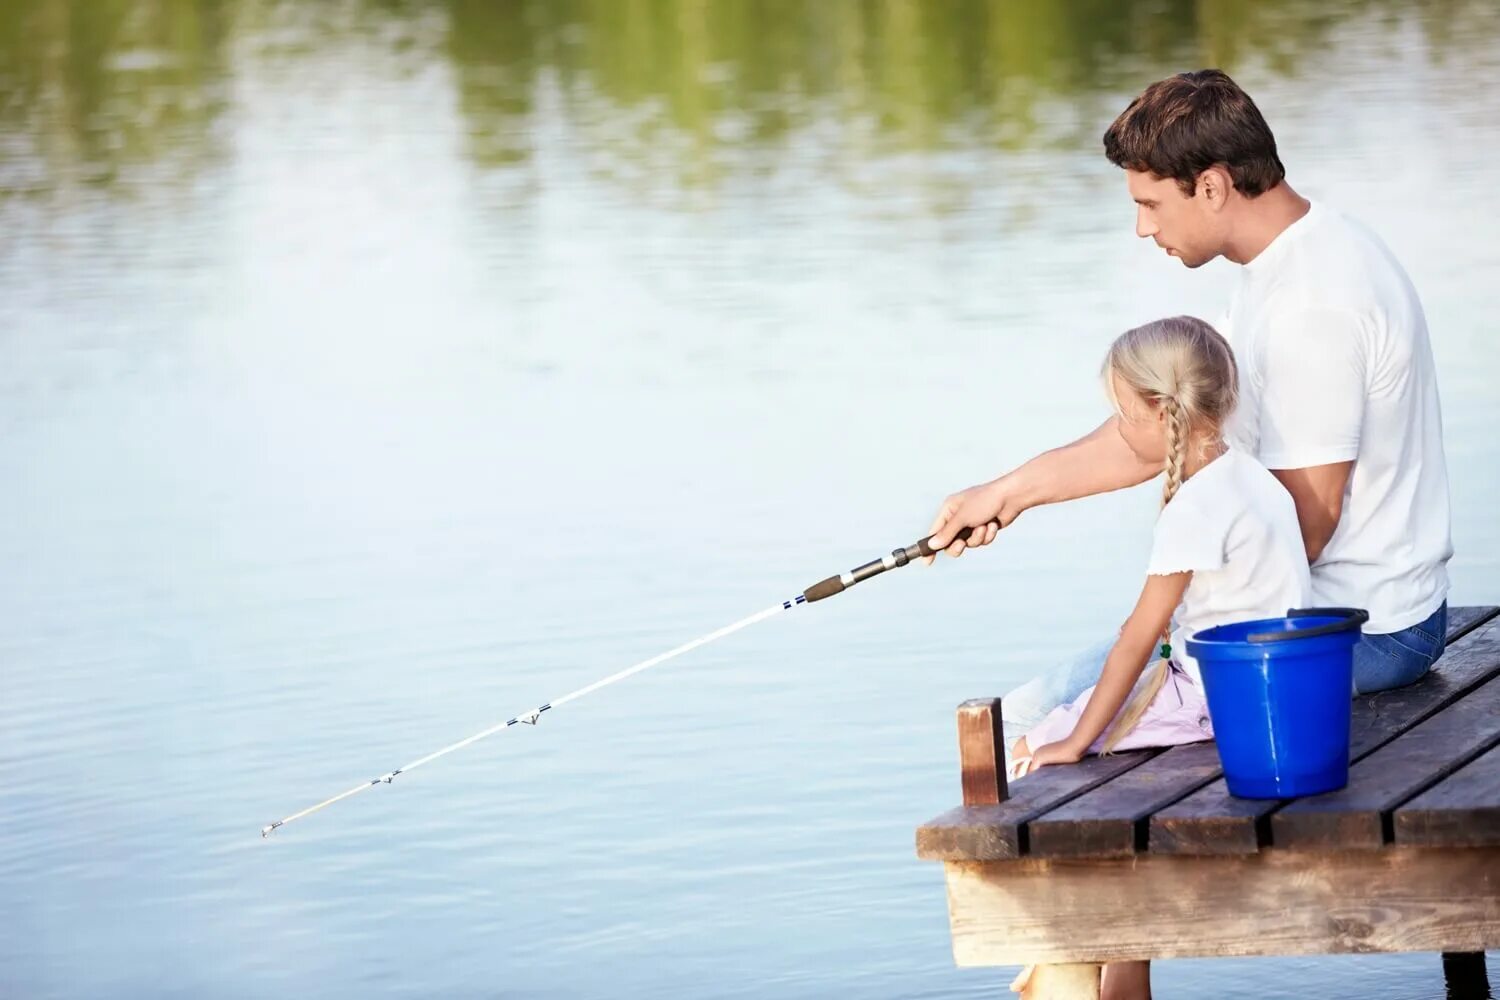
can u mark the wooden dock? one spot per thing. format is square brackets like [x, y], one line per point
[1146, 855]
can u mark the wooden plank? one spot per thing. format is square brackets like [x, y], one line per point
[1356, 816]
[1463, 810]
[1462, 621]
[1110, 821]
[985, 833]
[1211, 821]
[981, 752]
[1035, 910]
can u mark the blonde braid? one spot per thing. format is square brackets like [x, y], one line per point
[1177, 445]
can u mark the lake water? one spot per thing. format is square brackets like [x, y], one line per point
[374, 370]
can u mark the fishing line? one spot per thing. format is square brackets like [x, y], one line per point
[817, 592]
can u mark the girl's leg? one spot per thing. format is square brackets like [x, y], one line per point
[1126, 981]
[1055, 982]
[1027, 705]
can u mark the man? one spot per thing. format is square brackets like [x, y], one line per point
[1338, 393]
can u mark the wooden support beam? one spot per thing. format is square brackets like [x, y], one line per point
[1465, 976]
[981, 752]
[1034, 910]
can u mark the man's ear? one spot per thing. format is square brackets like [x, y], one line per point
[1214, 184]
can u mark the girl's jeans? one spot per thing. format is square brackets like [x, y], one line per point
[1381, 662]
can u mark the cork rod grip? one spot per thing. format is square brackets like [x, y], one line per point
[924, 547]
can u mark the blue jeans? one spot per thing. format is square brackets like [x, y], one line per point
[1381, 662]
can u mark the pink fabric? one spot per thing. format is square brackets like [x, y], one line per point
[1178, 714]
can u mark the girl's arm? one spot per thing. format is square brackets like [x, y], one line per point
[1138, 640]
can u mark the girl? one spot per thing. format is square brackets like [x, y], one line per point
[1227, 547]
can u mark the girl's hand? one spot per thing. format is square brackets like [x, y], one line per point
[1055, 753]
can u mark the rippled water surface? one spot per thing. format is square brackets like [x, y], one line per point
[373, 370]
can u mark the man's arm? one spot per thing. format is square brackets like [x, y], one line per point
[1098, 462]
[1318, 493]
[1312, 407]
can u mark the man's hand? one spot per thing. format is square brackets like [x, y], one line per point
[977, 507]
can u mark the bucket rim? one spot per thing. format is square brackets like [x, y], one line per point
[1349, 620]
[1343, 620]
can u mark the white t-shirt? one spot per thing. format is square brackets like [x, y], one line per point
[1336, 366]
[1234, 526]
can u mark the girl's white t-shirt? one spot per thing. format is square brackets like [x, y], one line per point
[1234, 527]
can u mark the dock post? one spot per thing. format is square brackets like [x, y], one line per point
[1465, 976]
[981, 759]
[981, 752]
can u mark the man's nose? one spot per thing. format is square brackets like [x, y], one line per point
[1144, 227]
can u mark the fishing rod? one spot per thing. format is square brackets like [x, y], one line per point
[817, 592]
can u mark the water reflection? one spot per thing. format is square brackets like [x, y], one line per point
[95, 87]
[369, 369]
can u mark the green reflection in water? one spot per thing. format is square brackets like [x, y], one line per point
[92, 87]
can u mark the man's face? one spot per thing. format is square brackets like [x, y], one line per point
[1182, 225]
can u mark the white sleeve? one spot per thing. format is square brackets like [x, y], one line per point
[1186, 541]
[1312, 400]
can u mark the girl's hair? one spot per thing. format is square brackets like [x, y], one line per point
[1183, 365]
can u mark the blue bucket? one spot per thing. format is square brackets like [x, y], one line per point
[1279, 693]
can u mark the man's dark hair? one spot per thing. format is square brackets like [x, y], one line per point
[1181, 126]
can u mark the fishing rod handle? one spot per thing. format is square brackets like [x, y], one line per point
[899, 557]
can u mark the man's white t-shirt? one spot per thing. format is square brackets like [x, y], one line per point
[1336, 366]
[1234, 526]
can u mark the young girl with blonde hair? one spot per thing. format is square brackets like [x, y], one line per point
[1227, 547]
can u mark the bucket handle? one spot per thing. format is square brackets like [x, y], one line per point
[1353, 618]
